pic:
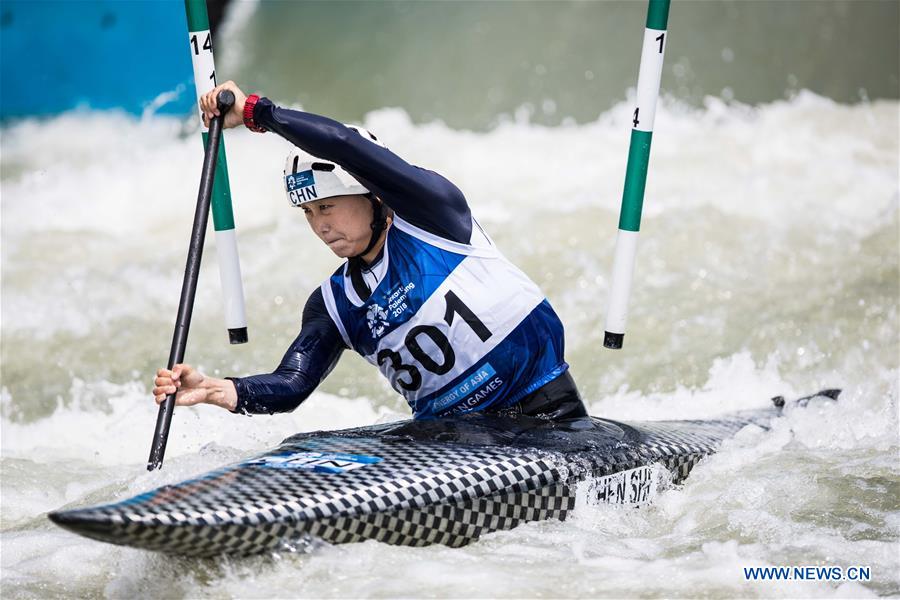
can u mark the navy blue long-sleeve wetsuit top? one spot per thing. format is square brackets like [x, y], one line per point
[421, 197]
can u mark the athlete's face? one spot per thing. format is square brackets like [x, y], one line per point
[342, 222]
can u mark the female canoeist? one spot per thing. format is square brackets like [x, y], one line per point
[424, 294]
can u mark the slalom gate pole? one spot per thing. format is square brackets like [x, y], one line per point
[200, 42]
[225, 101]
[636, 171]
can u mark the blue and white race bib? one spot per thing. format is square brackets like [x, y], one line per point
[454, 327]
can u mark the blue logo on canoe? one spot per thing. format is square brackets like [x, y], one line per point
[319, 462]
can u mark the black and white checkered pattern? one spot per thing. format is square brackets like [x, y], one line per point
[423, 491]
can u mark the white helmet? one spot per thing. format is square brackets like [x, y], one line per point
[307, 178]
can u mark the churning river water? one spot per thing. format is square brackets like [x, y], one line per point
[769, 265]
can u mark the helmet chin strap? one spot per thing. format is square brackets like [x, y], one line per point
[379, 224]
[356, 263]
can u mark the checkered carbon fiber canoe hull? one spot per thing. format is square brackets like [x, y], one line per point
[412, 483]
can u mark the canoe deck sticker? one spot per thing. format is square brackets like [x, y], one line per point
[634, 487]
[319, 462]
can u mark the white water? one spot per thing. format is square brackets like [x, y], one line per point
[768, 265]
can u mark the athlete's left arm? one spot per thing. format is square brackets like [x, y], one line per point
[306, 363]
[422, 197]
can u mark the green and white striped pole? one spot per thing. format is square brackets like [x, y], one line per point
[636, 171]
[200, 41]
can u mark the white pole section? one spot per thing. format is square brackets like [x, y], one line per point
[200, 41]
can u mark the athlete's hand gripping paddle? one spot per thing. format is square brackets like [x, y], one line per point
[225, 101]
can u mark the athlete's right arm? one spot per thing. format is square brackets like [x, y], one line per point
[306, 363]
[311, 357]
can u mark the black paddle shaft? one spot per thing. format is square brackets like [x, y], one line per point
[225, 101]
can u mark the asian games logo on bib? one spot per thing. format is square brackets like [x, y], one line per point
[376, 319]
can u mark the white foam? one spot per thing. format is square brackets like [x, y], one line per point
[735, 383]
[111, 424]
[110, 173]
